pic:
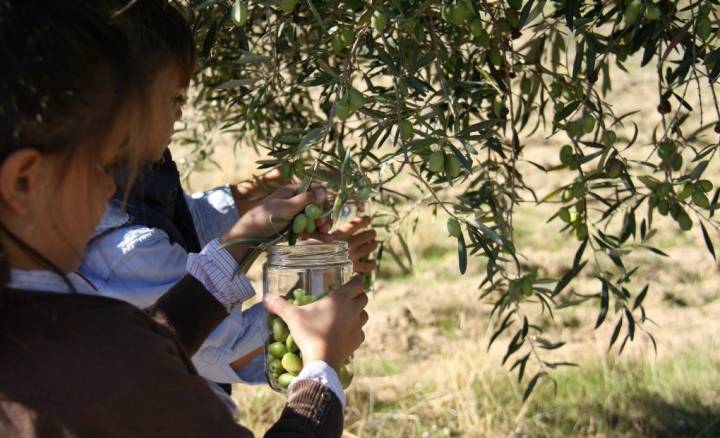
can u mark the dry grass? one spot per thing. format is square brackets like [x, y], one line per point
[425, 371]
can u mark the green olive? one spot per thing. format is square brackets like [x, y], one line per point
[700, 199]
[614, 168]
[495, 57]
[436, 162]
[286, 170]
[298, 293]
[499, 109]
[307, 299]
[684, 221]
[299, 169]
[581, 232]
[277, 349]
[453, 227]
[313, 211]
[526, 85]
[406, 130]
[280, 330]
[275, 365]
[652, 12]
[347, 35]
[677, 162]
[292, 362]
[476, 28]
[271, 320]
[311, 226]
[355, 99]
[287, 6]
[240, 12]
[379, 21]
[515, 4]
[300, 223]
[632, 12]
[703, 27]
[564, 215]
[666, 149]
[286, 379]
[705, 185]
[609, 137]
[663, 207]
[453, 168]
[566, 155]
[342, 109]
[556, 89]
[290, 344]
[588, 123]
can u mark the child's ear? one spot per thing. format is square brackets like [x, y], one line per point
[20, 175]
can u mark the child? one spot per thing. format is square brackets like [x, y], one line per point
[141, 247]
[75, 364]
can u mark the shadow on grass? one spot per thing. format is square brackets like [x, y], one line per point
[645, 415]
[654, 416]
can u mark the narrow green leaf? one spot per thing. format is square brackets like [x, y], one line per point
[708, 241]
[604, 304]
[462, 254]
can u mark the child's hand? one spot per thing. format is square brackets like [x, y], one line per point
[329, 329]
[275, 213]
[361, 243]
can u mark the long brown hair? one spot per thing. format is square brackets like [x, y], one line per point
[66, 74]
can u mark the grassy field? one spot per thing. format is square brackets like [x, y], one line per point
[425, 370]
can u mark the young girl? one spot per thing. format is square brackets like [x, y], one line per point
[74, 364]
[143, 242]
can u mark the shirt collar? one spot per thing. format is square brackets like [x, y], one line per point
[114, 217]
[47, 281]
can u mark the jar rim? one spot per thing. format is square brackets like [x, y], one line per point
[318, 247]
[308, 252]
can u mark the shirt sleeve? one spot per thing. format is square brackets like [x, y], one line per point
[138, 264]
[238, 335]
[319, 371]
[213, 212]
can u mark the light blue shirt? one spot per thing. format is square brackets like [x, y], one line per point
[138, 264]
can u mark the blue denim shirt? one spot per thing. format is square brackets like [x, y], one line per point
[138, 264]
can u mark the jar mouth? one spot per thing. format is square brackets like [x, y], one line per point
[308, 253]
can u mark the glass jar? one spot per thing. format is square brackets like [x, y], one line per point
[301, 274]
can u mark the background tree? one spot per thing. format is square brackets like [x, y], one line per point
[445, 93]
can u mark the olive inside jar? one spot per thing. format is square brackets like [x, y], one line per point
[301, 274]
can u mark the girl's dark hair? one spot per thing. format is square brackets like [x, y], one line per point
[67, 72]
[159, 35]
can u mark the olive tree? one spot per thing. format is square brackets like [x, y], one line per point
[447, 93]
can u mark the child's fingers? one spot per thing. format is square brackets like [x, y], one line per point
[361, 238]
[294, 205]
[352, 288]
[364, 267]
[350, 228]
[278, 306]
[365, 250]
[323, 237]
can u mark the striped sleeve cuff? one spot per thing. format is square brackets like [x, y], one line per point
[323, 373]
[218, 271]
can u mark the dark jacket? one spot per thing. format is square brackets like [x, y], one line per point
[76, 365]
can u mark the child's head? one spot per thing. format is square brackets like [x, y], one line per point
[164, 50]
[67, 110]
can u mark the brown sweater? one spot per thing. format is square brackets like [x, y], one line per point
[91, 366]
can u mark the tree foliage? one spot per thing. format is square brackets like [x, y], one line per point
[447, 93]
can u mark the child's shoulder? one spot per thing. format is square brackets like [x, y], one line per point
[116, 232]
